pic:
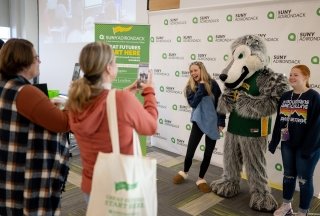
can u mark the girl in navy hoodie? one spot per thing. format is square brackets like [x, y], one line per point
[297, 126]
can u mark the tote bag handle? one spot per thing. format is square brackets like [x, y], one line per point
[113, 126]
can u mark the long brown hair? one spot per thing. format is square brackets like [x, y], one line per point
[94, 58]
[305, 71]
[204, 75]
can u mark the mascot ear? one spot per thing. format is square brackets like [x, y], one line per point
[259, 49]
[262, 58]
[252, 41]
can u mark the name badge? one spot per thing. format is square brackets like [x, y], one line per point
[284, 134]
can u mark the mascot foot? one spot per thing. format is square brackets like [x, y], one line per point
[225, 188]
[263, 202]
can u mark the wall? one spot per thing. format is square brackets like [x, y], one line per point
[24, 20]
[22, 17]
[60, 44]
[4, 13]
[200, 3]
[57, 67]
[155, 5]
[205, 34]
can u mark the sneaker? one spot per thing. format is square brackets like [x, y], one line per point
[284, 210]
[180, 177]
[203, 186]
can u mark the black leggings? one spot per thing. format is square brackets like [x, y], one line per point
[194, 139]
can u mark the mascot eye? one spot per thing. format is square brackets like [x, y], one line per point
[241, 53]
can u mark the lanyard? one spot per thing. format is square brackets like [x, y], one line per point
[289, 117]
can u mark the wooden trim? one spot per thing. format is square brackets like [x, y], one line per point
[155, 5]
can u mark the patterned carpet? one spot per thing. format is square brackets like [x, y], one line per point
[176, 200]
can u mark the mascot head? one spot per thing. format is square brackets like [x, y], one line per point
[249, 55]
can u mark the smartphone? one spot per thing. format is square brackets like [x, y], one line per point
[143, 70]
[76, 72]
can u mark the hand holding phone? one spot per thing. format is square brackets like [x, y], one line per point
[142, 74]
[76, 72]
[148, 82]
[133, 87]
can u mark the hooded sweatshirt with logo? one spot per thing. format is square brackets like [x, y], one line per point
[300, 114]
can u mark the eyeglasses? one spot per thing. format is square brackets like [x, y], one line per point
[36, 57]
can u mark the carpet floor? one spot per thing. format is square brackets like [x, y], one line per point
[177, 200]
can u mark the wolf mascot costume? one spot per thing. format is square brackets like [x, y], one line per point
[251, 96]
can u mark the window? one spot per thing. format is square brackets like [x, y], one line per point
[4, 33]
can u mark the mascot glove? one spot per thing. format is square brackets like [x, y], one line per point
[226, 101]
[243, 99]
[230, 96]
[242, 94]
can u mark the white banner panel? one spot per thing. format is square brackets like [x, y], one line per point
[179, 37]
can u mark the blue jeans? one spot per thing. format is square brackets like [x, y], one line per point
[297, 167]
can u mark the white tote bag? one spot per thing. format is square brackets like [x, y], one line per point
[122, 185]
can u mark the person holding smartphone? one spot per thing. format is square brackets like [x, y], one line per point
[87, 109]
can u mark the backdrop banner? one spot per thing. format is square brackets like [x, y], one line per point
[130, 44]
[179, 37]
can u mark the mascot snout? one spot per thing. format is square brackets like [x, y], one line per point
[238, 82]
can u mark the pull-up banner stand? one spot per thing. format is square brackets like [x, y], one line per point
[130, 44]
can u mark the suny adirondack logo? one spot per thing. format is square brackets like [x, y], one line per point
[285, 14]
[121, 29]
[125, 186]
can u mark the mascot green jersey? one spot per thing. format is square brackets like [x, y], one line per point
[251, 94]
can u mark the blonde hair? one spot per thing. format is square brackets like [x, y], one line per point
[93, 59]
[204, 76]
[305, 71]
